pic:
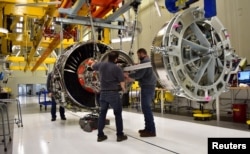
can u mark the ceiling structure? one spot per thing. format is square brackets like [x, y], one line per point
[35, 32]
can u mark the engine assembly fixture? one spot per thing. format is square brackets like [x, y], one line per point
[192, 56]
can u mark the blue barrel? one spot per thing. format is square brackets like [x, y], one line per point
[210, 8]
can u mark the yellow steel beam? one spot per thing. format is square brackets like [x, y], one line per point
[23, 1]
[84, 10]
[56, 41]
[38, 37]
[11, 9]
[47, 52]
[65, 41]
[15, 37]
[4, 46]
[42, 44]
[18, 59]
[106, 36]
[14, 22]
[15, 59]
[1, 18]
[2, 35]
[21, 68]
[49, 60]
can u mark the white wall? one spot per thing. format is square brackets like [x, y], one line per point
[234, 14]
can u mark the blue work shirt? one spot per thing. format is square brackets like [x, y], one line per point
[145, 76]
[110, 75]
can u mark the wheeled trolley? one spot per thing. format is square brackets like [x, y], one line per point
[43, 100]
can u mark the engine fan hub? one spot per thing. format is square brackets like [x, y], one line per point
[88, 78]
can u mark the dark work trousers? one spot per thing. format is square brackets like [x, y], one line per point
[147, 95]
[53, 110]
[110, 99]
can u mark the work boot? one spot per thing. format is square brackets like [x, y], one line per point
[142, 131]
[101, 138]
[121, 138]
[147, 134]
[63, 118]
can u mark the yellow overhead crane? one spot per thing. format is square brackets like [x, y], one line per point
[80, 8]
[43, 14]
[19, 62]
[37, 15]
[22, 59]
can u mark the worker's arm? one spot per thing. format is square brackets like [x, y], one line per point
[127, 78]
[123, 86]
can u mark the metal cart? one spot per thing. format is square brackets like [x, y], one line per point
[43, 99]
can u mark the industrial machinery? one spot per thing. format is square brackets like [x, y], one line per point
[192, 56]
[74, 85]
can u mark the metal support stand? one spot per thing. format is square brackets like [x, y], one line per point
[5, 120]
[162, 101]
[19, 120]
[218, 110]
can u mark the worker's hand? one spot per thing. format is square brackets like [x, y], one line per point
[90, 62]
[129, 80]
[124, 90]
[126, 74]
[49, 94]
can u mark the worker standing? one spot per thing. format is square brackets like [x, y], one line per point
[112, 81]
[53, 102]
[147, 82]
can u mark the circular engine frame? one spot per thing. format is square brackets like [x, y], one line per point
[191, 56]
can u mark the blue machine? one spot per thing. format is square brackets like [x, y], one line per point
[174, 6]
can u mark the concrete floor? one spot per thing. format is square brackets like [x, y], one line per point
[175, 133]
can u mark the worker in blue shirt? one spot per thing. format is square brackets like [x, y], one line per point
[147, 82]
[112, 81]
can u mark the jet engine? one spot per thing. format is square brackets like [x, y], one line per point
[74, 85]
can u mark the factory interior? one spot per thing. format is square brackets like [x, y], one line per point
[199, 54]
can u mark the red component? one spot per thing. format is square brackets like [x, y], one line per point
[80, 73]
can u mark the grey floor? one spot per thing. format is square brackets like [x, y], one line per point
[175, 133]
